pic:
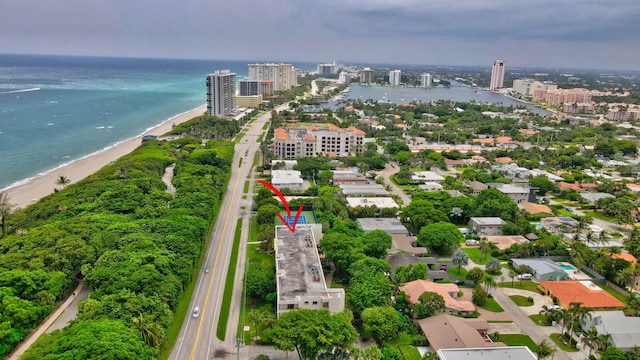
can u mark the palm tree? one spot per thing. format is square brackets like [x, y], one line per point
[151, 332]
[489, 283]
[544, 350]
[63, 181]
[578, 314]
[591, 340]
[512, 275]
[485, 246]
[625, 277]
[603, 341]
[5, 211]
[550, 314]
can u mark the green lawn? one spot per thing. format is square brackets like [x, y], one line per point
[521, 300]
[246, 187]
[492, 306]
[561, 344]
[599, 215]
[475, 256]
[518, 340]
[524, 285]
[409, 352]
[453, 271]
[538, 319]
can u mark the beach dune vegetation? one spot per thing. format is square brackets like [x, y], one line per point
[134, 244]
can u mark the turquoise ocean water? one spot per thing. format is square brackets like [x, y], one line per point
[54, 110]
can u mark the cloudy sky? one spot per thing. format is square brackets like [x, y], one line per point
[600, 34]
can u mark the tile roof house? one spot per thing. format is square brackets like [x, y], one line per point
[447, 332]
[449, 292]
[535, 209]
[503, 242]
[584, 291]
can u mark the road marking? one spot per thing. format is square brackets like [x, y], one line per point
[215, 264]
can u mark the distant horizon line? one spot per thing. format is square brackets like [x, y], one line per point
[339, 62]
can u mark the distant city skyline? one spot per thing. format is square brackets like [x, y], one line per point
[572, 34]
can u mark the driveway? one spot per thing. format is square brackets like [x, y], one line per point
[539, 300]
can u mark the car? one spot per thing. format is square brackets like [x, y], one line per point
[471, 242]
[525, 277]
[196, 312]
[207, 268]
[443, 266]
[458, 282]
[557, 307]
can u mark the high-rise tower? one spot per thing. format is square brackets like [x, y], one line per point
[221, 93]
[497, 75]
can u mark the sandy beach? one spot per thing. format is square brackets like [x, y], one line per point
[26, 194]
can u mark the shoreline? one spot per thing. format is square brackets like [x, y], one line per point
[30, 190]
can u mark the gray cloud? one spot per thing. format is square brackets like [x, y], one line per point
[588, 33]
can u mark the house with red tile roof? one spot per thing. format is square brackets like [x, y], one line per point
[449, 292]
[447, 332]
[581, 291]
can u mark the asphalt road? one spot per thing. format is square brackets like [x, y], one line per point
[197, 338]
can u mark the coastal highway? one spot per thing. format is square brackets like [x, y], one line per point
[197, 337]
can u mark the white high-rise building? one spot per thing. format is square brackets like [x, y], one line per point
[366, 76]
[426, 80]
[283, 75]
[394, 77]
[221, 93]
[497, 75]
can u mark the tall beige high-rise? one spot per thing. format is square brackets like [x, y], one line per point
[283, 75]
[497, 75]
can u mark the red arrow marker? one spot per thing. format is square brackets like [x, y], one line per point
[286, 206]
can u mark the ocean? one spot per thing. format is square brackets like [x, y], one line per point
[57, 109]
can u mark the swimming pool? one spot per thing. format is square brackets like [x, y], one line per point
[567, 267]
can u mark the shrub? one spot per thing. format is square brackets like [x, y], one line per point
[479, 296]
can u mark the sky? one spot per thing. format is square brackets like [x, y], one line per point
[592, 34]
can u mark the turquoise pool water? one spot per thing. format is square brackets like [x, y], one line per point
[567, 267]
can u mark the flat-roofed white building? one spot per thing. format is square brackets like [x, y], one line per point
[363, 190]
[291, 179]
[487, 353]
[299, 277]
[486, 225]
[518, 194]
[426, 176]
[379, 202]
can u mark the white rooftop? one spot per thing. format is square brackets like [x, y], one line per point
[488, 221]
[380, 202]
[286, 177]
[426, 176]
[487, 353]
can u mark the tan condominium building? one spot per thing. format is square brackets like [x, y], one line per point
[221, 93]
[283, 75]
[528, 87]
[314, 141]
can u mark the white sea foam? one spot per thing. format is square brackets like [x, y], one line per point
[19, 91]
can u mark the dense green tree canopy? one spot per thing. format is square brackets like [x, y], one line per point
[312, 332]
[381, 323]
[441, 237]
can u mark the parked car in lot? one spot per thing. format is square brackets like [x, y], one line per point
[443, 267]
[196, 312]
[525, 277]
